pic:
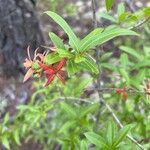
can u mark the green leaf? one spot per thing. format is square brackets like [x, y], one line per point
[144, 63]
[124, 73]
[88, 109]
[105, 56]
[83, 145]
[131, 52]
[96, 140]
[124, 60]
[147, 11]
[6, 118]
[56, 40]
[16, 136]
[90, 65]
[72, 67]
[52, 58]
[5, 142]
[64, 128]
[91, 35]
[123, 16]
[111, 131]
[64, 53]
[73, 40]
[108, 17]
[108, 66]
[79, 58]
[121, 135]
[100, 38]
[108, 4]
[70, 110]
[121, 9]
[83, 83]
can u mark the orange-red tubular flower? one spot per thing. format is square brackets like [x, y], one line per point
[52, 71]
[123, 93]
[29, 62]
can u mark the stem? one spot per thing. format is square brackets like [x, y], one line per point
[94, 14]
[101, 100]
[140, 23]
[97, 55]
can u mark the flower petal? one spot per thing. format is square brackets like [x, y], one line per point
[50, 79]
[61, 78]
[60, 64]
[27, 63]
[28, 51]
[49, 71]
[43, 66]
[28, 74]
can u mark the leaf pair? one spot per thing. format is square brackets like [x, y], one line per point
[76, 55]
[97, 35]
[112, 139]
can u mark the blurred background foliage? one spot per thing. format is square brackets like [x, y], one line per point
[64, 116]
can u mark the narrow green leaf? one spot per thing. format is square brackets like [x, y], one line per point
[79, 58]
[79, 89]
[72, 67]
[108, 4]
[73, 40]
[56, 40]
[5, 142]
[83, 145]
[70, 110]
[121, 135]
[106, 56]
[123, 16]
[88, 109]
[144, 63]
[6, 118]
[52, 58]
[64, 53]
[108, 34]
[16, 137]
[66, 126]
[121, 9]
[96, 140]
[124, 73]
[90, 65]
[108, 66]
[147, 11]
[111, 130]
[91, 35]
[108, 17]
[131, 52]
[124, 61]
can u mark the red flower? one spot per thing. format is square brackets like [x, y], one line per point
[52, 71]
[29, 62]
[123, 93]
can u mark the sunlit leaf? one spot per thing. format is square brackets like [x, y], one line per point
[108, 4]
[96, 140]
[56, 40]
[100, 38]
[73, 40]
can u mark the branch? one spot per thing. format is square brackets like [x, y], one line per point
[140, 23]
[97, 55]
